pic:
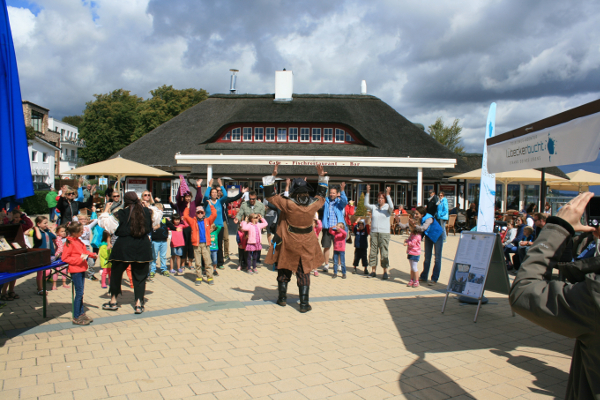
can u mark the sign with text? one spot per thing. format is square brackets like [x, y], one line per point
[450, 194]
[576, 141]
[137, 185]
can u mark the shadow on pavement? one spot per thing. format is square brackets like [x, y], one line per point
[424, 331]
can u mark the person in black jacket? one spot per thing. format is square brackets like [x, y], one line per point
[67, 205]
[225, 232]
[131, 225]
[432, 203]
[361, 245]
[159, 237]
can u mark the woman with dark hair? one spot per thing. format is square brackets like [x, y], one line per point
[131, 226]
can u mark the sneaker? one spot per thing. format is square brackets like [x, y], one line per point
[416, 284]
[84, 316]
[180, 271]
[93, 278]
[173, 272]
[239, 268]
[325, 268]
[211, 282]
[366, 271]
[385, 276]
[373, 275]
[198, 282]
[255, 271]
[80, 321]
[343, 276]
[334, 276]
[354, 270]
[410, 283]
[250, 271]
[316, 273]
[221, 267]
[165, 273]
[431, 283]
[152, 274]
[215, 273]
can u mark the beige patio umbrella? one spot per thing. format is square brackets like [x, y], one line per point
[579, 181]
[118, 167]
[524, 175]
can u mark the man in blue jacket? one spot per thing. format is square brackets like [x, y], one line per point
[442, 213]
[333, 213]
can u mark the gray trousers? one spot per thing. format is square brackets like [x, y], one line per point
[379, 244]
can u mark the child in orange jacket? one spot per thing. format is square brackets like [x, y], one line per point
[76, 254]
[201, 238]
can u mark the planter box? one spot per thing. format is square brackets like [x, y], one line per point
[21, 259]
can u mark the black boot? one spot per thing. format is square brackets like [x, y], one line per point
[281, 300]
[304, 306]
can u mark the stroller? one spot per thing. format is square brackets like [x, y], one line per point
[461, 221]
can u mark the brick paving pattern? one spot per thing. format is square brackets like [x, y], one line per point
[364, 339]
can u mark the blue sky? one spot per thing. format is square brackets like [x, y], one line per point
[426, 60]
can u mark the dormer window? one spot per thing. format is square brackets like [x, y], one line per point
[282, 133]
[259, 134]
[236, 134]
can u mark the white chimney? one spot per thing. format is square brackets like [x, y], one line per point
[284, 85]
[363, 87]
[232, 82]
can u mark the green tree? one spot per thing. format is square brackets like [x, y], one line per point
[75, 120]
[165, 104]
[361, 210]
[449, 136]
[108, 123]
[31, 133]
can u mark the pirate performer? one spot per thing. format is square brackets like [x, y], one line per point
[295, 247]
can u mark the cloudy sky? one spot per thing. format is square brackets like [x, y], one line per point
[425, 59]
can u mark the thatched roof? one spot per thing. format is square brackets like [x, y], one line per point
[382, 130]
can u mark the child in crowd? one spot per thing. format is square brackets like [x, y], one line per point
[413, 251]
[88, 225]
[43, 238]
[254, 246]
[361, 245]
[529, 237]
[339, 248]
[317, 227]
[177, 242]
[242, 241]
[214, 246]
[59, 242]
[159, 237]
[104, 254]
[76, 254]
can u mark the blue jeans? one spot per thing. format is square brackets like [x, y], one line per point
[213, 256]
[78, 280]
[437, 267]
[341, 256]
[159, 250]
[52, 212]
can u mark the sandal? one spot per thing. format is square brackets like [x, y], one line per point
[110, 306]
[40, 293]
[5, 297]
[13, 296]
[139, 309]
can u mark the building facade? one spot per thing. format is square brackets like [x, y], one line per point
[70, 144]
[42, 157]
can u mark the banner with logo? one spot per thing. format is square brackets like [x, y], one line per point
[574, 142]
[487, 187]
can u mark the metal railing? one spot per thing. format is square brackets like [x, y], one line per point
[78, 142]
[71, 159]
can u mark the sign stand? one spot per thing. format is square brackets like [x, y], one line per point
[479, 265]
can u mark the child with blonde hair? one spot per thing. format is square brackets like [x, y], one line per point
[254, 226]
[413, 251]
[339, 248]
[104, 254]
[59, 242]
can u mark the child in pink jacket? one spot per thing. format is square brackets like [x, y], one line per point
[413, 250]
[339, 248]
[254, 245]
[177, 242]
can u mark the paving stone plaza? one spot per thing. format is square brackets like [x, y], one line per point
[364, 339]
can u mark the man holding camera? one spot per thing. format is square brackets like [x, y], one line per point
[569, 309]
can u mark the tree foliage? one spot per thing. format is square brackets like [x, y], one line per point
[361, 210]
[114, 120]
[75, 120]
[449, 136]
[31, 133]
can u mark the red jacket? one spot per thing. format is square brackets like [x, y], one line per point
[339, 239]
[72, 251]
[193, 223]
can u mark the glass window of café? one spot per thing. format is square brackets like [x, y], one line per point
[512, 197]
[532, 195]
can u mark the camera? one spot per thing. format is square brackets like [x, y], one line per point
[593, 212]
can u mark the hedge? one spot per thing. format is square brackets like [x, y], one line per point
[36, 204]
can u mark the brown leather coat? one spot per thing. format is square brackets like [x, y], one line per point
[294, 246]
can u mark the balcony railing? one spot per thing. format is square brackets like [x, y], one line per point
[71, 159]
[78, 142]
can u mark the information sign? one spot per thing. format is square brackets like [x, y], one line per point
[137, 185]
[478, 266]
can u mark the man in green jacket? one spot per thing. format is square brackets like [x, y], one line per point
[51, 202]
[569, 309]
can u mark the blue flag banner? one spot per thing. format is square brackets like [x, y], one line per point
[487, 188]
[15, 171]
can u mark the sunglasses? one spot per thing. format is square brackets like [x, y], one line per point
[199, 212]
[70, 194]
[116, 196]
[146, 195]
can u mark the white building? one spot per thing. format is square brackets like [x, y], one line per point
[70, 143]
[41, 156]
